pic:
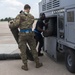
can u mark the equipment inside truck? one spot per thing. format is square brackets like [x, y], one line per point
[52, 27]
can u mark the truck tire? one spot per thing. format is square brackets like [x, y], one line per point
[70, 60]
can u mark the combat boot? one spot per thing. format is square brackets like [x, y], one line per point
[38, 65]
[25, 67]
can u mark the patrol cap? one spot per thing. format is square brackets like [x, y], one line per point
[42, 15]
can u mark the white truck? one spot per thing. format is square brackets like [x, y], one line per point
[61, 16]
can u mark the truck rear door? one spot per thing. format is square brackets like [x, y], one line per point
[70, 25]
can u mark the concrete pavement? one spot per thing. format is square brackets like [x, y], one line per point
[13, 67]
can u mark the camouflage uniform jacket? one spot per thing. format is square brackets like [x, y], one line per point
[23, 21]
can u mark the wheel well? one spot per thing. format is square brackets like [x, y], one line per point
[66, 49]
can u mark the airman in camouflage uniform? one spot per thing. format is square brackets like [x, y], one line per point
[24, 21]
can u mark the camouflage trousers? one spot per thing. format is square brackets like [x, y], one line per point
[27, 38]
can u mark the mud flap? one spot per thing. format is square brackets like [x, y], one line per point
[15, 32]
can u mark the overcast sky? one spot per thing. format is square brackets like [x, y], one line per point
[10, 8]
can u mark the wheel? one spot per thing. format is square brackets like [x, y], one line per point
[70, 60]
